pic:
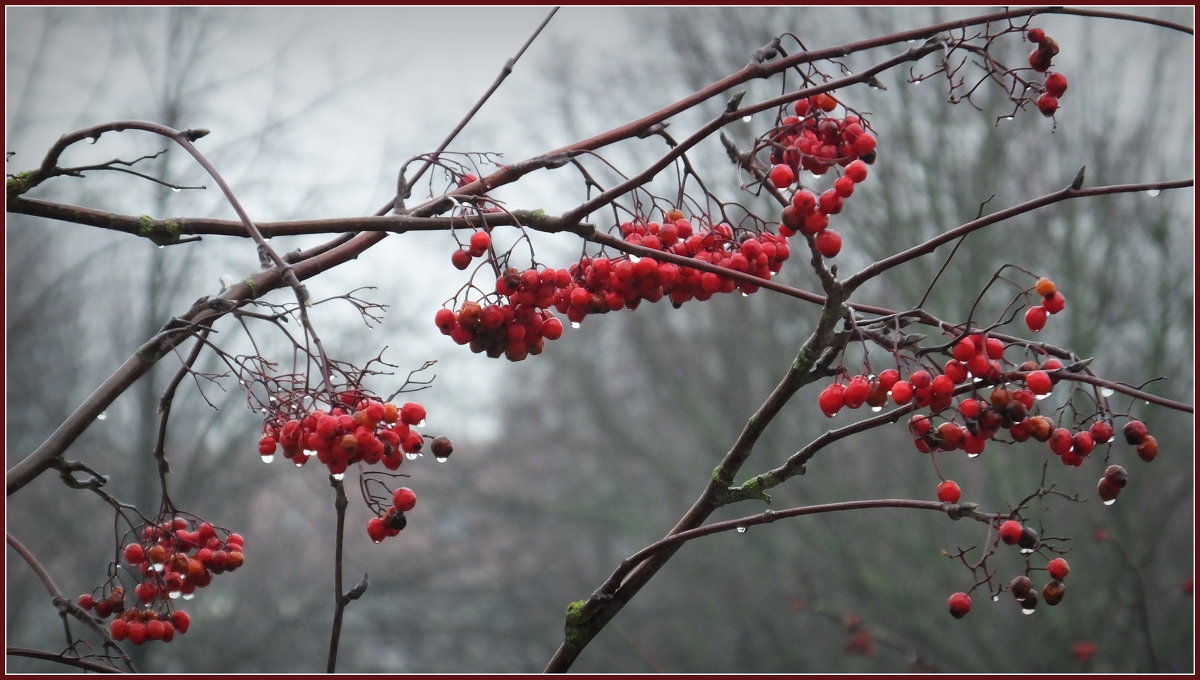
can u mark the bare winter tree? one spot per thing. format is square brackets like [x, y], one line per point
[789, 178]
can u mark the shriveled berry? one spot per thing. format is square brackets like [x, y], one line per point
[1116, 475]
[1053, 592]
[1148, 449]
[1020, 586]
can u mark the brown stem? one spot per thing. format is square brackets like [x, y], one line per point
[340, 599]
[59, 658]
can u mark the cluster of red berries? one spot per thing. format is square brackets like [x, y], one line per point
[814, 141]
[1055, 85]
[393, 520]
[1053, 302]
[518, 324]
[359, 429]
[520, 320]
[173, 558]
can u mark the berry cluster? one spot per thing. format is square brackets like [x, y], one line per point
[172, 558]
[1053, 302]
[1055, 85]
[359, 429]
[814, 141]
[1012, 532]
[393, 520]
[519, 320]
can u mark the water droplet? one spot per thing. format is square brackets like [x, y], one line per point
[1026, 551]
[175, 189]
[1153, 192]
[174, 594]
[189, 596]
[574, 324]
[996, 597]
[745, 294]
[412, 456]
[374, 541]
[1110, 502]
[299, 464]
[741, 530]
[747, 119]
[1106, 392]
[339, 476]
[441, 459]
[916, 82]
[876, 409]
[103, 415]
[243, 382]
[976, 379]
[1026, 612]
[157, 567]
[273, 400]
[422, 423]
[268, 459]
[1009, 117]
[1042, 396]
[1147, 403]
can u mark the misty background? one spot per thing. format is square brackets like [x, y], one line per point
[570, 461]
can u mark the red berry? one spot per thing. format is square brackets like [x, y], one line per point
[902, 392]
[1035, 35]
[412, 414]
[804, 202]
[964, 349]
[829, 243]
[1047, 104]
[134, 552]
[376, 529]
[782, 176]
[1061, 441]
[971, 408]
[1058, 568]
[1055, 302]
[959, 604]
[461, 259]
[1035, 318]
[138, 633]
[1135, 432]
[830, 202]
[181, 621]
[856, 171]
[943, 386]
[266, 447]
[831, 400]
[552, 329]
[86, 601]
[948, 492]
[1056, 84]
[888, 378]
[119, 628]
[1010, 532]
[864, 144]
[480, 242]
[920, 379]
[844, 186]
[955, 371]
[1083, 444]
[404, 498]
[1101, 431]
[1038, 382]
[857, 391]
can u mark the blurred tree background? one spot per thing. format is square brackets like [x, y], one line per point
[569, 462]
